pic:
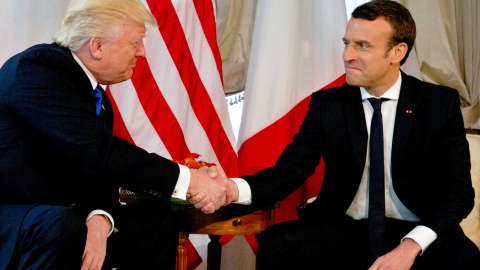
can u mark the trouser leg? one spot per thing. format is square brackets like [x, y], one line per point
[304, 245]
[50, 237]
[147, 238]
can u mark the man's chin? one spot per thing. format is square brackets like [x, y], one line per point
[125, 77]
[352, 81]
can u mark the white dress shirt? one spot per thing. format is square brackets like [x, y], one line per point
[358, 209]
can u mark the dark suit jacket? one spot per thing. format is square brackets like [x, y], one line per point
[430, 155]
[55, 150]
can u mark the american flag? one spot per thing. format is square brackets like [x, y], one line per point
[174, 104]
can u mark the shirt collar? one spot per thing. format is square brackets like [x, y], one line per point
[393, 93]
[90, 76]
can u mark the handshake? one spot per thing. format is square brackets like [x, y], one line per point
[210, 189]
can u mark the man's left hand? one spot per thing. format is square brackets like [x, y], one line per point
[401, 258]
[96, 246]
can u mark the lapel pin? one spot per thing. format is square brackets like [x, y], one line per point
[409, 111]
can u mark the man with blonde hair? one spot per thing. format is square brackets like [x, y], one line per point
[60, 165]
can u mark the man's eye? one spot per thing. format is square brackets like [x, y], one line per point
[364, 45]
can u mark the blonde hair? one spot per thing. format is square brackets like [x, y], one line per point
[104, 19]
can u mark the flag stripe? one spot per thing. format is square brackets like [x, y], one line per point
[138, 125]
[203, 54]
[296, 50]
[205, 11]
[158, 112]
[199, 98]
[169, 82]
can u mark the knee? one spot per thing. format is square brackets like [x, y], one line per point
[454, 251]
[269, 239]
[278, 248]
[466, 258]
[469, 256]
[71, 226]
[274, 240]
[60, 226]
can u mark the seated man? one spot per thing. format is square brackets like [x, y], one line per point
[60, 165]
[397, 165]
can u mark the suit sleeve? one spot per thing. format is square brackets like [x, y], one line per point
[53, 99]
[452, 193]
[296, 163]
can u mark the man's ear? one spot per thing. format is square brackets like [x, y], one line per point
[399, 52]
[95, 46]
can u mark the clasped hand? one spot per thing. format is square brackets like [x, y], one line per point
[210, 189]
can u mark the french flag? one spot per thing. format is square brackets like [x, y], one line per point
[296, 50]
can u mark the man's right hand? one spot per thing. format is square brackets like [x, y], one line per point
[212, 189]
[96, 245]
[211, 178]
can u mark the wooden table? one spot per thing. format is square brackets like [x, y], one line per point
[230, 220]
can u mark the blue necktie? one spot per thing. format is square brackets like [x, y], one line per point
[376, 206]
[98, 99]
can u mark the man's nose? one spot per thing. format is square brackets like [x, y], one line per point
[349, 54]
[141, 52]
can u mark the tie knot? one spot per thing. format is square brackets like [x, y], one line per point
[98, 89]
[376, 103]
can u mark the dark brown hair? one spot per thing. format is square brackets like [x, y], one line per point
[399, 18]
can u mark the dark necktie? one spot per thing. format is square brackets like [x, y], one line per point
[98, 99]
[376, 206]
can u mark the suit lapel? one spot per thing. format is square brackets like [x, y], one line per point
[106, 115]
[355, 120]
[80, 77]
[107, 112]
[406, 109]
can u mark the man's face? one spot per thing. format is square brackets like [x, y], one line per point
[119, 57]
[367, 62]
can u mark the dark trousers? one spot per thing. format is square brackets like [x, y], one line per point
[344, 245]
[147, 239]
[53, 237]
[41, 237]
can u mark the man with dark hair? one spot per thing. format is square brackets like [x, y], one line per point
[397, 166]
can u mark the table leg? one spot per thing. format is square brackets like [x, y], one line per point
[181, 252]
[214, 253]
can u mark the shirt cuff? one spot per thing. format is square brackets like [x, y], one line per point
[103, 213]
[244, 191]
[181, 188]
[424, 236]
